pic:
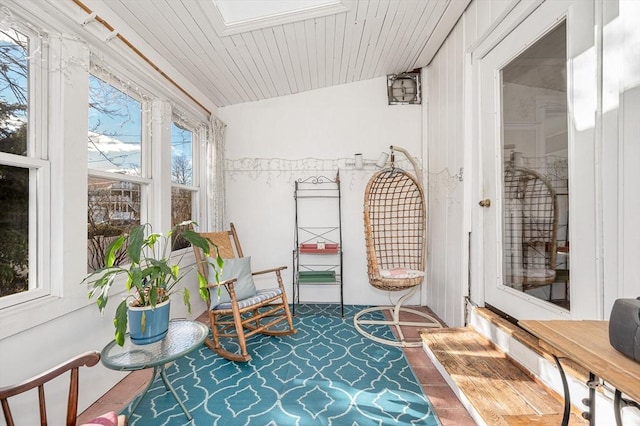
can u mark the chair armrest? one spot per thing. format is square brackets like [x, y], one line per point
[266, 271]
[229, 282]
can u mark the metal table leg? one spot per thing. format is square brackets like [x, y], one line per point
[144, 392]
[567, 396]
[617, 407]
[167, 385]
[619, 403]
[590, 414]
[590, 402]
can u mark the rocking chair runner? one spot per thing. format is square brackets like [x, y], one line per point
[395, 235]
[241, 318]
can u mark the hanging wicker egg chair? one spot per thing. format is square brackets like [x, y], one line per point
[395, 236]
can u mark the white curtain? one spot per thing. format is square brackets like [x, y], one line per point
[215, 208]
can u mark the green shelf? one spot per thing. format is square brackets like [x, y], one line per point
[317, 276]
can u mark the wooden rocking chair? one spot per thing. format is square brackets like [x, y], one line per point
[242, 313]
[395, 236]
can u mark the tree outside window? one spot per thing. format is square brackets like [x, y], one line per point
[182, 190]
[14, 177]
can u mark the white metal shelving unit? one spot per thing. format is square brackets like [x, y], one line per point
[317, 256]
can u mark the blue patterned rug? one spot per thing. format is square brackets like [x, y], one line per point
[326, 374]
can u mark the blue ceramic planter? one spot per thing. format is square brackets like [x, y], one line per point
[155, 325]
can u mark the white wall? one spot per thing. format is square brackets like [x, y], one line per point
[621, 150]
[446, 248]
[271, 143]
[450, 145]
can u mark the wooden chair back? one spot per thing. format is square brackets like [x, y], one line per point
[88, 359]
[228, 246]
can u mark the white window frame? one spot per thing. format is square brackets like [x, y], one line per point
[144, 180]
[198, 140]
[37, 162]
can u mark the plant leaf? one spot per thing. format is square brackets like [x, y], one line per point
[153, 298]
[153, 238]
[202, 284]
[103, 285]
[110, 257]
[120, 322]
[175, 271]
[136, 242]
[186, 298]
[220, 264]
[198, 241]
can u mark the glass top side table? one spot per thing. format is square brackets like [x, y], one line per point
[183, 337]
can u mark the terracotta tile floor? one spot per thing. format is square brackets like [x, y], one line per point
[446, 405]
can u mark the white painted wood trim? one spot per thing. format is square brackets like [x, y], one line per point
[454, 9]
[224, 29]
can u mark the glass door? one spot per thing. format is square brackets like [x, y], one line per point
[527, 146]
[535, 178]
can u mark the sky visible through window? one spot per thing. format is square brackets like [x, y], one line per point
[115, 131]
[181, 155]
[13, 86]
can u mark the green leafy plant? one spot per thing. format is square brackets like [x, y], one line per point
[152, 276]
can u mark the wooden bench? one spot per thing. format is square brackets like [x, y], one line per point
[587, 343]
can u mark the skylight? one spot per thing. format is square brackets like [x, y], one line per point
[237, 11]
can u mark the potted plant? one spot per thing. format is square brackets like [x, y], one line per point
[151, 278]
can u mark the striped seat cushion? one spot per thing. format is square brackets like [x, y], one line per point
[261, 296]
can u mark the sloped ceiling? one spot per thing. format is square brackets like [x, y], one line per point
[348, 41]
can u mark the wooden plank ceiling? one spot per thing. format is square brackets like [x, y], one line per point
[364, 39]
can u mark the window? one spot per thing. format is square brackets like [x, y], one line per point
[22, 170]
[115, 131]
[183, 190]
[116, 177]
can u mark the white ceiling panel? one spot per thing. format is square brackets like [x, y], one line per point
[354, 40]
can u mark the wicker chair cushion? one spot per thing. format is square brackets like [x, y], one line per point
[400, 273]
[239, 268]
[531, 276]
[107, 419]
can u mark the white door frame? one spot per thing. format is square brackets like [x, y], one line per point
[586, 294]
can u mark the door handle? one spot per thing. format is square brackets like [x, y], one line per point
[485, 203]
